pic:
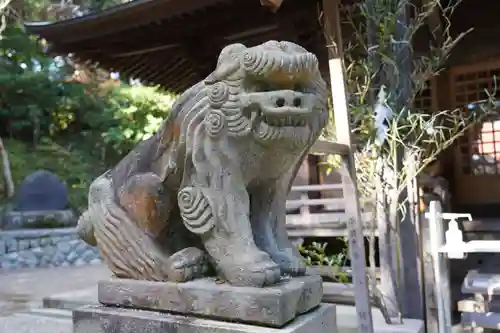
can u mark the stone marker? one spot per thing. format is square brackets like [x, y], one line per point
[41, 201]
[41, 191]
[207, 193]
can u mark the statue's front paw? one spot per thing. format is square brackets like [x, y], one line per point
[187, 264]
[290, 263]
[257, 272]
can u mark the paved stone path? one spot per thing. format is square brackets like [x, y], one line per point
[41, 300]
[22, 292]
[23, 289]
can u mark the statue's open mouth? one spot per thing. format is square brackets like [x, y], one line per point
[284, 121]
[279, 108]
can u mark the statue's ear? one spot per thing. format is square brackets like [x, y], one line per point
[222, 71]
[212, 78]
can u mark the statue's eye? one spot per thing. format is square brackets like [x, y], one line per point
[260, 86]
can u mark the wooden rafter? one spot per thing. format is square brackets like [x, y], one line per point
[150, 48]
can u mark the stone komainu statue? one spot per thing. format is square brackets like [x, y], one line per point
[209, 188]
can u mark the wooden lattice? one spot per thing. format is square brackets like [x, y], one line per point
[425, 101]
[479, 149]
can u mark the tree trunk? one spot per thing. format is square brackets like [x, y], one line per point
[7, 174]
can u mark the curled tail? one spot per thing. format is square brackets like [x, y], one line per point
[127, 250]
[97, 193]
[85, 229]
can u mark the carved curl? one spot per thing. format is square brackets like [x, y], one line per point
[195, 210]
[251, 61]
[218, 94]
[215, 122]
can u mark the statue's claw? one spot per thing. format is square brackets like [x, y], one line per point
[187, 264]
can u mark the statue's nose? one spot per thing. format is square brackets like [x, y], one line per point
[288, 99]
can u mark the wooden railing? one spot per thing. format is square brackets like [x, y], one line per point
[324, 217]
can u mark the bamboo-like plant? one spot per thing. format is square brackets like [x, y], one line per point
[384, 77]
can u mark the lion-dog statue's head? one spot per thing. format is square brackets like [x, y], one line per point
[273, 90]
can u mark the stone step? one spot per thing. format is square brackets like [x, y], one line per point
[50, 313]
[91, 319]
[71, 300]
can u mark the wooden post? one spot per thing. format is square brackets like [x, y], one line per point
[387, 249]
[343, 133]
[412, 226]
[411, 284]
[431, 318]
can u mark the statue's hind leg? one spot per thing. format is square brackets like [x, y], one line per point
[127, 234]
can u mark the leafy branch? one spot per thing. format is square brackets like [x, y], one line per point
[385, 76]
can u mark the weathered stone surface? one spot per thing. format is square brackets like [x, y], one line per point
[41, 190]
[209, 188]
[271, 306]
[100, 319]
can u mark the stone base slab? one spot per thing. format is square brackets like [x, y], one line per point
[31, 219]
[101, 319]
[347, 322]
[272, 306]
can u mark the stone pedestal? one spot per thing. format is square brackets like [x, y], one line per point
[13, 220]
[206, 306]
[102, 319]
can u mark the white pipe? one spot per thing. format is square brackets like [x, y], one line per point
[476, 246]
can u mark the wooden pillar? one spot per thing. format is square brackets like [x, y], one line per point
[411, 285]
[343, 132]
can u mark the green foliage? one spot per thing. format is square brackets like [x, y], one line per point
[97, 5]
[24, 76]
[33, 86]
[43, 10]
[128, 115]
[75, 130]
[315, 254]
